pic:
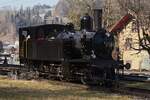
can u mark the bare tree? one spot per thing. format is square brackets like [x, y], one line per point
[78, 8]
[141, 12]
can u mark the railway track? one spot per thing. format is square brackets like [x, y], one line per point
[5, 69]
[138, 78]
[3, 66]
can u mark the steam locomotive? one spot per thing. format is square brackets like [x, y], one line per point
[58, 51]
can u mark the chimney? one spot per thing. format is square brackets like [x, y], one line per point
[97, 15]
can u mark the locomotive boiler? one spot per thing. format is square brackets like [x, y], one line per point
[58, 51]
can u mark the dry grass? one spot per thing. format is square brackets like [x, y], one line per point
[52, 90]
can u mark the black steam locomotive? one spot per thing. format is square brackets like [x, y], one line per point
[59, 51]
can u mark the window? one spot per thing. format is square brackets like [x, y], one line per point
[128, 44]
[134, 27]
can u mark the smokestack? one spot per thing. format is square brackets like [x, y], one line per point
[97, 19]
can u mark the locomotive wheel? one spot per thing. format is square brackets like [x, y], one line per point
[65, 71]
[86, 78]
[61, 77]
[107, 81]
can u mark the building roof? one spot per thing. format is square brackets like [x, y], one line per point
[121, 23]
